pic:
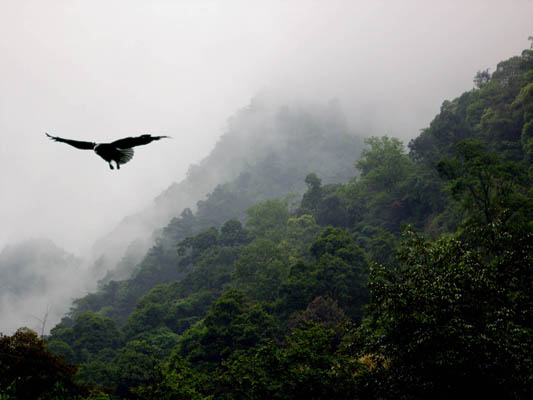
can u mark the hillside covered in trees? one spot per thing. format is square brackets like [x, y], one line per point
[410, 276]
[258, 157]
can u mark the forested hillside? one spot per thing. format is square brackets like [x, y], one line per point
[258, 157]
[262, 152]
[412, 278]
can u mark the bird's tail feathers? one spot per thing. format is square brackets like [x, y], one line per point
[125, 155]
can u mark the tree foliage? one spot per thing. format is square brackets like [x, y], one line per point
[30, 371]
[453, 316]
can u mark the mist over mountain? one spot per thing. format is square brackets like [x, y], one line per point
[88, 71]
[258, 157]
[260, 138]
[37, 278]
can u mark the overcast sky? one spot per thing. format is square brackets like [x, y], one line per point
[101, 70]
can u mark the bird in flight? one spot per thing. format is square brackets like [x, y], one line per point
[120, 151]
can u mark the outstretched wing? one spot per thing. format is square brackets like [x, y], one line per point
[128, 142]
[76, 143]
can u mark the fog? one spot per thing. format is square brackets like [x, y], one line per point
[103, 70]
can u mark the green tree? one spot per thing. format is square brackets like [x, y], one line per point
[232, 233]
[98, 373]
[60, 348]
[309, 366]
[322, 310]
[313, 197]
[523, 103]
[233, 322]
[178, 381]
[485, 186]
[453, 320]
[482, 78]
[92, 334]
[197, 245]
[137, 365]
[301, 233]
[299, 289]
[30, 371]
[339, 272]
[260, 269]
[384, 164]
[268, 220]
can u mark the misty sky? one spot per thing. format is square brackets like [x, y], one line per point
[101, 70]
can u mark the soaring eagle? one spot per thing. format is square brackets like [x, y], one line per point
[120, 151]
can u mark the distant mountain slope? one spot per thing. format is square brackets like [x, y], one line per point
[266, 154]
[290, 140]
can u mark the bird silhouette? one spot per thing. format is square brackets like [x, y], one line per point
[120, 151]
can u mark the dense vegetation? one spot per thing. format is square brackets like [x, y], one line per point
[412, 279]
